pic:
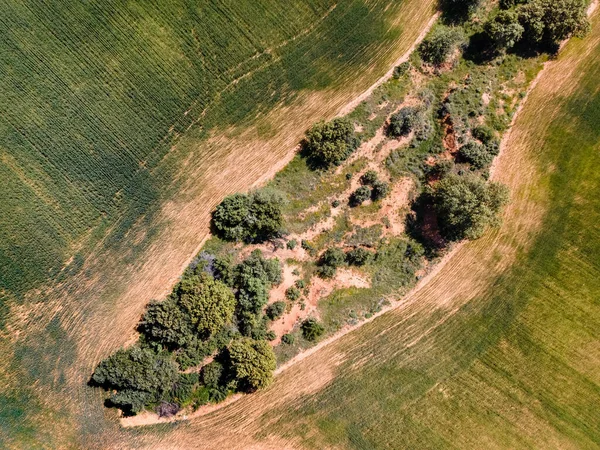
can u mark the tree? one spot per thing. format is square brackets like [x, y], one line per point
[252, 363]
[381, 189]
[369, 177]
[292, 293]
[552, 21]
[312, 329]
[330, 143]
[504, 29]
[255, 217]
[208, 302]
[476, 154]
[165, 323]
[212, 375]
[275, 310]
[440, 44]
[466, 205]
[358, 257]
[333, 257]
[360, 195]
[403, 122]
[256, 266]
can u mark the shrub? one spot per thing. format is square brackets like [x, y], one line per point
[300, 284]
[403, 122]
[288, 339]
[255, 217]
[275, 310]
[381, 189]
[312, 329]
[208, 302]
[252, 363]
[293, 293]
[333, 257]
[476, 154]
[224, 270]
[504, 30]
[401, 69]
[358, 257]
[330, 143]
[369, 177]
[335, 203]
[326, 272]
[270, 335]
[483, 133]
[466, 205]
[440, 44]
[291, 244]
[360, 195]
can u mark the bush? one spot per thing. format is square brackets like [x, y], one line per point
[440, 44]
[288, 339]
[333, 257]
[466, 205]
[381, 189]
[335, 203]
[292, 293]
[330, 143]
[403, 122]
[359, 196]
[312, 329]
[252, 363]
[213, 375]
[291, 244]
[483, 133]
[275, 310]
[504, 30]
[358, 257]
[255, 217]
[270, 335]
[476, 154]
[369, 177]
[401, 69]
[300, 284]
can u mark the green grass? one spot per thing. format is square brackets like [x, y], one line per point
[94, 94]
[514, 368]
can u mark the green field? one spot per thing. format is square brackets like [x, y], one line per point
[94, 94]
[514, 365]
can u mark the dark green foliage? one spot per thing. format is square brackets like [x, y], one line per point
[291, 244]
[369, 177]
[166, 324]
[213, 375]
[329, 261]
[252, 363]
[223, 268]
[466, 205]
[335, 203]
[403, 122]
[381, 189]
[275, 310]
[183, 389]
[476, 154]
[440, 44]
[207, 302]
[401, 69]
[358, 257]
[441, 168]
[360, 195]
[270, 335]
[483, 133]
[504, 29]
[312, 329]
[255, 217]
[288, 339]
[507, 4]
[551, 21]
[292, 293]
[256, 266]
[330, 143]
[130, 401]
[300, 284]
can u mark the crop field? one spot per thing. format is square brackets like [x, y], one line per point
[499, 349]
[109, 112]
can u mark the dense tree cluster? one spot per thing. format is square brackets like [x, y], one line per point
[466, 205]
[440, 44]
[253, 217]
[330, 143]
[203, 316]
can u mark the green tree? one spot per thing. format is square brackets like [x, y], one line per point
[312, 329]
[440, 44]
[330, 143]
[504, 29]
[466, 205]
[252, 363]
[403, 122]
[275, 310]
[231, 217]
[476, 154]
[358, 257]
[369, 177]
[552, 21]
[212, 375]
[165, 323]
[208, 302]
[381, 189]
